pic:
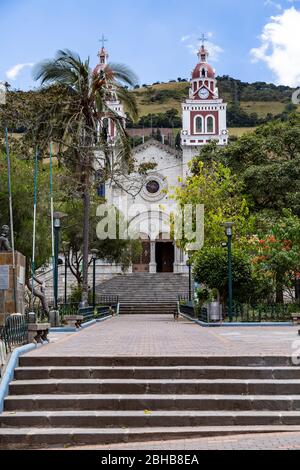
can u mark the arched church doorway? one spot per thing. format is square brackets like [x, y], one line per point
[165, 255]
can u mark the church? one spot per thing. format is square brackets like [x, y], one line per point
[204, 119]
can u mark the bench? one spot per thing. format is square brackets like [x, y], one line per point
[296, 318]
[74, 321]
[38, 332]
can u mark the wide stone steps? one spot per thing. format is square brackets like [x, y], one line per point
[128, 419]
[123, 402]
[145, 288]
[187, 372]
[229, 386]
[142, 308]
[25, 438]
[58, 401]
[157, 361]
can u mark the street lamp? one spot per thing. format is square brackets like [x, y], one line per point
[189, 264]
[57, 217]
[228, 231]
[66, 246]
[94, 252]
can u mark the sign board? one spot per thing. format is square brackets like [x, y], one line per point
[4, 277]
[22, 275]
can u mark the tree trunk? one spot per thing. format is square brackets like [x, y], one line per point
[86, 236]
[279, 291]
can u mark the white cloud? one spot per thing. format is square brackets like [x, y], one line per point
[193, 44]
[14, 71]
[271, 3]
[280, 47]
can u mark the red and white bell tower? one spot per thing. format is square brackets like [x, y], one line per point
[112, 100]
[204, 113]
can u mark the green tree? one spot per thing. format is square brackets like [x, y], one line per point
[113, 251]
[211, 269]
[220, 191]
[22, 194]
[274, 142]
[79, 120]
[277, 252]
[274, 187]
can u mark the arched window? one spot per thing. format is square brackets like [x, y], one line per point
[210, 124]
[199, 124]
[105, 123]
[203, 72]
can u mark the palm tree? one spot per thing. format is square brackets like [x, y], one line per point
[80, 118]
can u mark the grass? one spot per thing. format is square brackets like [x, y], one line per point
[239, 131]
[261, 108]
[156, 108]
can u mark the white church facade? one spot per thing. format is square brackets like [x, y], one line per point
[204, 119]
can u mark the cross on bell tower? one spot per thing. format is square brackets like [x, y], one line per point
[103, 40]
[103, 55]
[203, 39]
[203, 52]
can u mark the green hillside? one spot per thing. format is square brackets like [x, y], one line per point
[248, 104]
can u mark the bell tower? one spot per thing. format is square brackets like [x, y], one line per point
[203, 113]
[112, 102]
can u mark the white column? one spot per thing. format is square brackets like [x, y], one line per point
[180, 262]
[152, 265]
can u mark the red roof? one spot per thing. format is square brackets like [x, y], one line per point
[199, 67]
[98, 69]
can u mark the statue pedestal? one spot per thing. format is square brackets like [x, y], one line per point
[9, 285]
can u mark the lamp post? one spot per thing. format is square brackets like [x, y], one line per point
[189, 264]
[228, 230]
[57, 217]
[94, 258]
[66, 246]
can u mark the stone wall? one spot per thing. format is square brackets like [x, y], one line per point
[7, 303]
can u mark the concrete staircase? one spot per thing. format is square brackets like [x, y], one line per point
[67, 401]
[144, 293]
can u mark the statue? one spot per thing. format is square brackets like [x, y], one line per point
[4, 241]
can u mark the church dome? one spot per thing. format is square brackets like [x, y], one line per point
[203, 70]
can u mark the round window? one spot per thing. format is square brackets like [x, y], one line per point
[153, 187]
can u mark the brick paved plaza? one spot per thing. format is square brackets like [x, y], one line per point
[280, 441]
[148, 382]
[155, 335]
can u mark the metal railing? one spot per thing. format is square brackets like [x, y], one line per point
[102, 311]
[15, 332]
[68, 309]
[243, 313]
[107, 299]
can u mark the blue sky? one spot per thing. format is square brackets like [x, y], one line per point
[155, 38]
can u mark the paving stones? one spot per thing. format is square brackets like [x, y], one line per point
[150, 378]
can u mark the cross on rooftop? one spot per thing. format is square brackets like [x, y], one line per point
[103, 40]
[203, 39]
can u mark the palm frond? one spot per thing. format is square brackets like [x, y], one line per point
[128, 99]
[67, 69]
[123, 74]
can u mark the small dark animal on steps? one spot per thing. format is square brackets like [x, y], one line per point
[176, 315]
